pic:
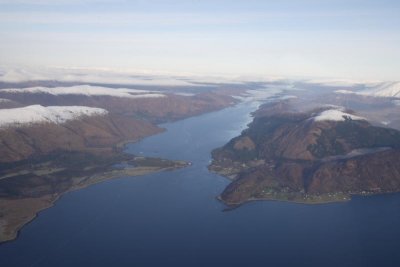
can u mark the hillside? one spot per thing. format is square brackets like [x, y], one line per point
[90, 133]
[58, 139]
[387, 89]
[152, 106]
[316, 156]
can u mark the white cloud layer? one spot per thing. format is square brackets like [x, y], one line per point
[86, 90]
[305, 38]
[106, 76]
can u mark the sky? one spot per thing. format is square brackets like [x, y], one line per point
[354, 39]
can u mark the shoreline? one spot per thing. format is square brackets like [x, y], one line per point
[17, 213]
[237, 205]
[9, 233]
[349, 197]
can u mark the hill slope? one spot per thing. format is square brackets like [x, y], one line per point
[308, 157]
[97, 132]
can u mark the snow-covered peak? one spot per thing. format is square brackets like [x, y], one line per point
[388, 89]
[87, 90]
[335, 115]
[38, 114]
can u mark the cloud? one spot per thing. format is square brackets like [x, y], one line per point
[117, 18]
[15, 75]
[169, 18]
[205, 36]
[86, 90]
[57, 2]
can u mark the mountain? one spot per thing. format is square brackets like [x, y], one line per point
[391, 89]
[62, 138]
[39, 120]
[387, 89]
[37, 130]
[317, 156]
[6, 103]
[149, 105]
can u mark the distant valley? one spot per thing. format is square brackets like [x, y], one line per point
[309, 142]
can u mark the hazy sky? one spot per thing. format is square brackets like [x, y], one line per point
[329, 38]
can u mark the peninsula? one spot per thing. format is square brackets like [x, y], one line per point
[322, 155]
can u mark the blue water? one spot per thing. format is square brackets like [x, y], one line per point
[173, 219]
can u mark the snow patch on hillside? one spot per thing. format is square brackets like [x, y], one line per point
[334, 82]
[3, 100]
[331, 106]
[87, 90]
[38, 114]
[259, 95]
[388, 89]
[348, 92]
[335, 115]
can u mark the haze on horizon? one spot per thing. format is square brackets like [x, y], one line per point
[333, 38]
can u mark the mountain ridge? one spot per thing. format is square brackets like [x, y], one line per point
[290, 156]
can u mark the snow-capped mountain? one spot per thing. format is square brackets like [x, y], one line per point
[86, 90]
[39, 114]
[37, 130]
[335, 115]
[388, 89]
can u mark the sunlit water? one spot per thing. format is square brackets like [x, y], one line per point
[173, 219]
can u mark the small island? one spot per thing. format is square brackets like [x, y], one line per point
[322, 155]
